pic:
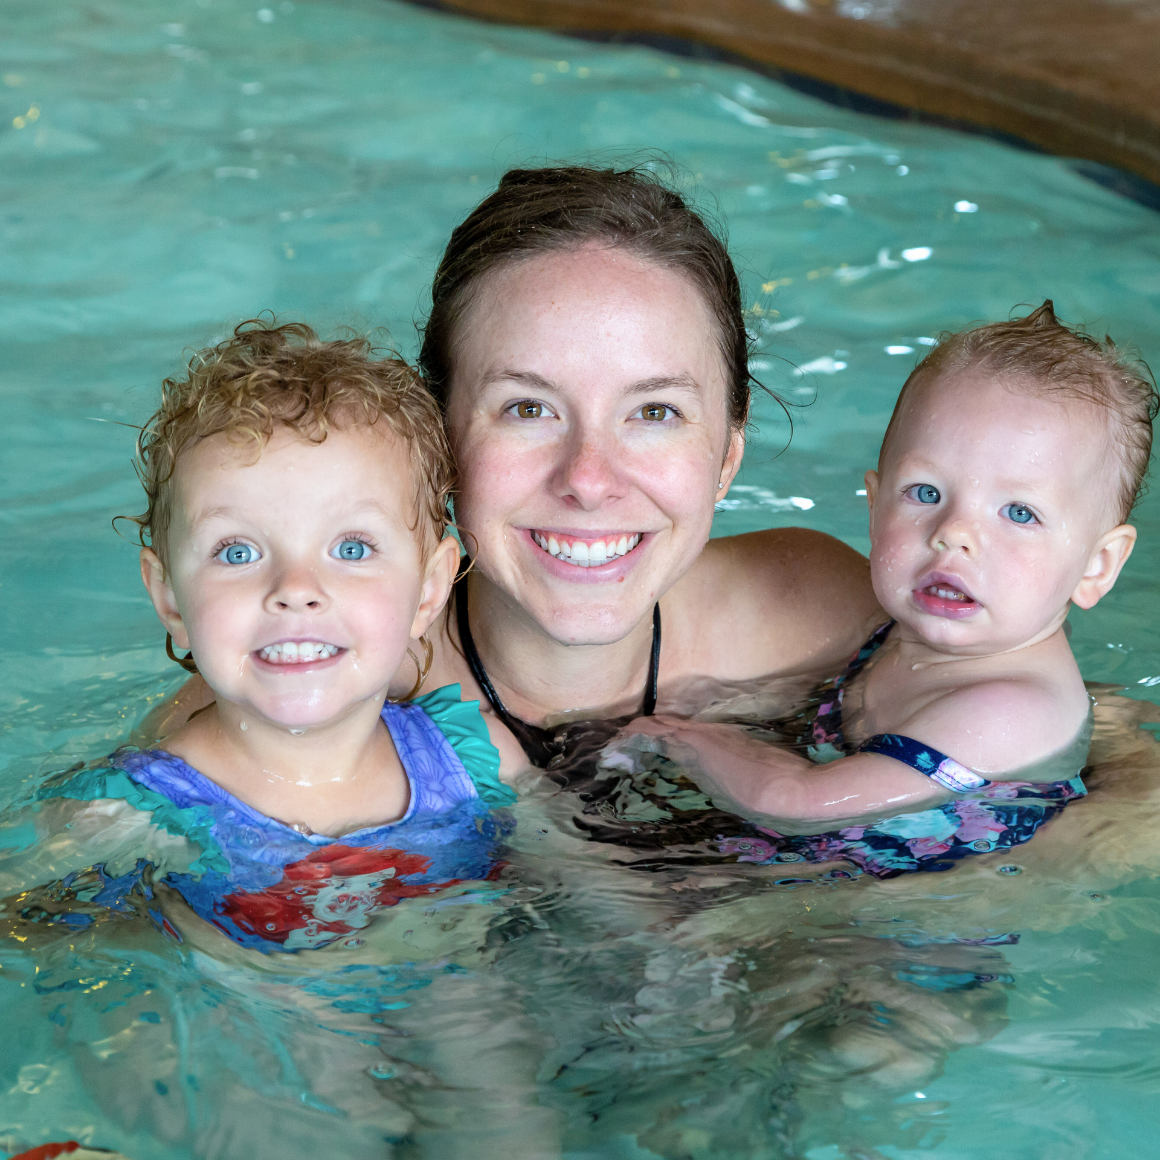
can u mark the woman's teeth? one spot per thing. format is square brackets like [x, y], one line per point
[948, 593]
[586, 554]
[297, 652]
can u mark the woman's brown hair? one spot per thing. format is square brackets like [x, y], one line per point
[534, 211]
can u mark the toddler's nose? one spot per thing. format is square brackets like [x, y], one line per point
[296, 590]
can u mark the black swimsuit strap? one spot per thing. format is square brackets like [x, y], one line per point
[538, 743]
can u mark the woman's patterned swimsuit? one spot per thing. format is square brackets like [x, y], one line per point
[996, 816]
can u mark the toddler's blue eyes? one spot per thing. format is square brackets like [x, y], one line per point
[1018, 514]
[238, 554]
[351, 550]
[926, 493]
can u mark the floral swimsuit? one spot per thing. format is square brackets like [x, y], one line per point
[271, 887]
[984, 816]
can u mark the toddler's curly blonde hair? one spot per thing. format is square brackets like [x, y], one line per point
[268, 376]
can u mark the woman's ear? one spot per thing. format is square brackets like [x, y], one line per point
[734, 453]
[160, 592]
[442, 565]
[1110, 555]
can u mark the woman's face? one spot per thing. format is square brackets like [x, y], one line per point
[588, 416]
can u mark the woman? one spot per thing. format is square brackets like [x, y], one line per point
[587, 344]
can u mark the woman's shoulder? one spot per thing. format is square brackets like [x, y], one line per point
[774, 602]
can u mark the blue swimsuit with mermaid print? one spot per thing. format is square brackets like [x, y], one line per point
[984, 816]
[272, 887]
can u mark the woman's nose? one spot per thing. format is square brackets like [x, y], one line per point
[296, 589]
[587, 475]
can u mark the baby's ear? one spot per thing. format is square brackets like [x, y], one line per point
[1110, 555]
[160, 592]
[871, 481]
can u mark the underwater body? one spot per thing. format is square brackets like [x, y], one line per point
[170, 169]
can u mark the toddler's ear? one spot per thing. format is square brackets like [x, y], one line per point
[164, 602]
[1110, 555]
[871, 481]
[441, 569]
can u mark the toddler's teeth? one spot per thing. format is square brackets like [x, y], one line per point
[298, 652]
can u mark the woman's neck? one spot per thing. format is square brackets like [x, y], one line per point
[542, 680]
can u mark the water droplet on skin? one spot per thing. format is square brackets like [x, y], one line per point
[297, 732]
[244, 727]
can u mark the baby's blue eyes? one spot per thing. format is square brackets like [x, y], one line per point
[238, 554]
[925, 493]
[351, 550]
[1018, 513]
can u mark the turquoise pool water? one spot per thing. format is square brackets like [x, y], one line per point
[170, 168]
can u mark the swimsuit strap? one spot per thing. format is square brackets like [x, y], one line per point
[866, 652]
[538, 743]
[827, 723]
[925, 760]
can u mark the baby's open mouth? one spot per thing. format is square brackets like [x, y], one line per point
[942, 596]
[298, 652]
[945, 592]
[586, 553]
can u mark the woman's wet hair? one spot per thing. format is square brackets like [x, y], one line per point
[536, 211]
[1040, 352]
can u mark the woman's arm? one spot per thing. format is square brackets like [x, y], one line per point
[757, 780]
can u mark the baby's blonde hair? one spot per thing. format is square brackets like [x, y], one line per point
[1039, 350]
[269, 376]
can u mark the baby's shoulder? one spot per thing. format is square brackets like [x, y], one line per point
[1004, 722]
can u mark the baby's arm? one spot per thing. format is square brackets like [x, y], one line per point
[755, 779]
[994, 729]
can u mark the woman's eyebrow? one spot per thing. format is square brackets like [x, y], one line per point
[528, 379]
[681, 382]
[537, 382]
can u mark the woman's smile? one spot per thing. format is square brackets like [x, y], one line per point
[585, 551]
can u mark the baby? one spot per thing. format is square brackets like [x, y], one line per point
[1014, 455]
[295, 545]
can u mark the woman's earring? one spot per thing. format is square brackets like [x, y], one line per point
[423, 668]
[186, 662]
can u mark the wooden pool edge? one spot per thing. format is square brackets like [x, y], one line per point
[1018, 98]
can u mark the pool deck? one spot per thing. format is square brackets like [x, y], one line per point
[1079, 78]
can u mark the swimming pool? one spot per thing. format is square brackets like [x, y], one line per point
[169, 168]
